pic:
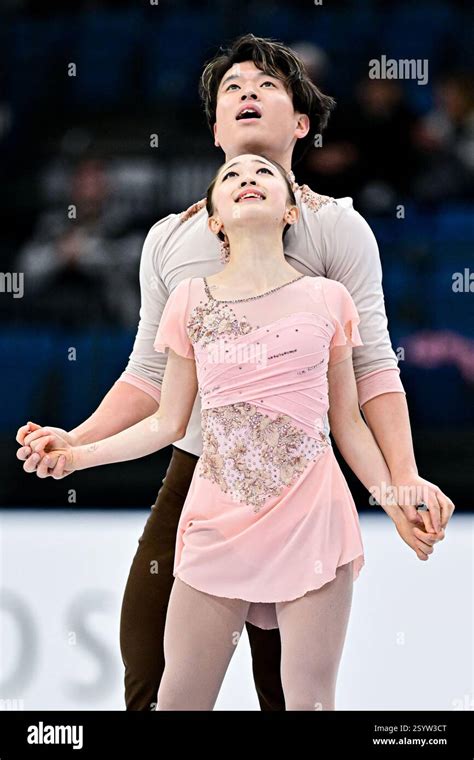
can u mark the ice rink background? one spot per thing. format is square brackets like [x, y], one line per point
[62, 577]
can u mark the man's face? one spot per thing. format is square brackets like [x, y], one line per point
[273, 128]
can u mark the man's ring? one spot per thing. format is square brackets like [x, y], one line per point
[422, 507]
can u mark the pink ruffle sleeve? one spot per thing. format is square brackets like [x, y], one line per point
[172, 327]
[344, 315]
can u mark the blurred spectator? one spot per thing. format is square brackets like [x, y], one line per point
[315, 59]
[444, 139]
[81, 268]
[367, 151]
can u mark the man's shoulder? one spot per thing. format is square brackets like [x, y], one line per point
[170, 224]
[192, 210]
[324, 206]
[173, 221]
[334, 215]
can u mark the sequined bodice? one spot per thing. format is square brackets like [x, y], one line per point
[262, 372]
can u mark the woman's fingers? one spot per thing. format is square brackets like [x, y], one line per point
[446, 506]
[432, 518]
[46, 465]
[421, 550]
[38, 446]
[427, 522]
[23, 453]
[424, 542]
[30, 464]
[42, 470]
[421, 554]
[429, 538]
[424, 548]
[58, 470]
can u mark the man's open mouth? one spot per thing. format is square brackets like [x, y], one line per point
[249, 112]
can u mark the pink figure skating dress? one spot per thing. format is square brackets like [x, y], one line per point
[268, 515]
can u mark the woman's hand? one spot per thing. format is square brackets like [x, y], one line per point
[410, 489]
[36, 443]
[417, 537]
[65, 458]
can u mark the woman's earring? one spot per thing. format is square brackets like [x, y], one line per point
[292, 180]
[225, 251]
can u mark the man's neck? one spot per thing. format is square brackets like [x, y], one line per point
[284, 160]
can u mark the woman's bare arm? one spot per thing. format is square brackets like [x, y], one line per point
[166, 425]
[353, 437]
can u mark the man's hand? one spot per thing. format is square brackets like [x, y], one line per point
[417, 538]
[410, 490]
[35, 443]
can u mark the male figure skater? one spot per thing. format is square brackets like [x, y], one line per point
[257, 98]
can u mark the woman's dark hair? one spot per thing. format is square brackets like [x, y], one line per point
[278, 60]
[284, 174]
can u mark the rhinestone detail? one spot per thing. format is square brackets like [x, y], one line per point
[252, 456]
[249, 298]
[212, 321]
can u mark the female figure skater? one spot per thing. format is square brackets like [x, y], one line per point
[269, 531]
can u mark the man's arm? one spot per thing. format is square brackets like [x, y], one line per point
[154, 432]
[388, 418]
[122, 406]
[356, 443]
[136, 393]
[352, 257]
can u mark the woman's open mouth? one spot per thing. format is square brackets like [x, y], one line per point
[250, 195]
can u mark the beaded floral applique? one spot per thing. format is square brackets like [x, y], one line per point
[314, 200]
[252, 456]
[212, 321]
[185, 215]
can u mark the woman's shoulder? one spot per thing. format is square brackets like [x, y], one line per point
[334, 293]
[329, 287]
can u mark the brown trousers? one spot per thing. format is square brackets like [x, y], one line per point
[146, 597]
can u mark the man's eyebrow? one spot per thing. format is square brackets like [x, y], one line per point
[236, 163]
[237, 76]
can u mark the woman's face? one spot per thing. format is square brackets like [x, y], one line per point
[249, 190]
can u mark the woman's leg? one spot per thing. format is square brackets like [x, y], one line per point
[149, 585]
[313, 630]
[201, 634]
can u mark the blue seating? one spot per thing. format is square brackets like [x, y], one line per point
[105, 47]
[40, 382]
[454, 310]
[174, 51]
[417, 31]
[101, 356]
[27, 364]
[32, 49]
[438, 396]
[455, 223]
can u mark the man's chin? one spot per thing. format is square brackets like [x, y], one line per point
[249, 144]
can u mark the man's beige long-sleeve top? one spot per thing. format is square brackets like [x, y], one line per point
[330, 239]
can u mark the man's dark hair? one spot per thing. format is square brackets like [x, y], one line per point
[278, 60]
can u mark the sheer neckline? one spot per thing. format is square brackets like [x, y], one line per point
[249, 298]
